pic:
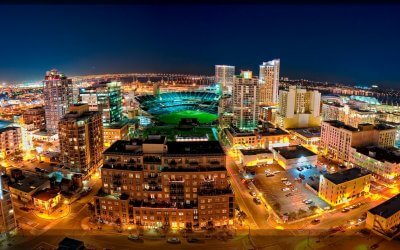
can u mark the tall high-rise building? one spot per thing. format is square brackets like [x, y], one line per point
[81, 139]
[224, 75]
[298, 108]
[269, 82]
[106, 98]
[245, 100]
[57, 90]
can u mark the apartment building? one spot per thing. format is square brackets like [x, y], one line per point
[383, 163]
[36, 117]
[156, 183]
[342, 187]
[10, 141]
[245, 100]
[269, 82]
[7, 218]
[384, 219]
[298, 108]
[337, 138]
[81, 139]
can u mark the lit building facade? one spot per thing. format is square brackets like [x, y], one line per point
[81, 139]
[298, 108]
[269, 82]
[106, 98]
[155, 183]
[224, 75]
[383, 163]
[384, 219]
[342, 187]
[36, 117]
[57, 91]
[245, 100]
[115, 132]
[7, 217]
[337, 138]
[10, 141]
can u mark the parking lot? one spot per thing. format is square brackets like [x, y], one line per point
[288, 199]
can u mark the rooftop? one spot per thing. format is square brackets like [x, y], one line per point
[381, 154]
[29, 184]
[46, 194]
[272, 132]
[255, 151]
[339, 124]
[308, 132]
[293, 152]
[346, 175]
[7, 129]
[155, 139]
[195, 148]
[387, 208]
[70, 244]
[125, 147]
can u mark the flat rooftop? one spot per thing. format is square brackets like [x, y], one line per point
[391, 155]
[255, 151]
[133, 146]
[339, 124]
[293, 152]
[387, 208]
[46, 194]
[195, 148]
[29, 184]
[308, 132]
[346, 175]
[272, 132]
[155, 139]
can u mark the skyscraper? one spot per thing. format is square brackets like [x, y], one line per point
[81, 139]
[269, 82]
[245, 100]
[57, 90]
[224, 75]
[106, 98]
[298, 108]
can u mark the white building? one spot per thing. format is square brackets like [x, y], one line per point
[298, 108]
[224, 74]
[57, 90]
[269, 82]
[245, 100]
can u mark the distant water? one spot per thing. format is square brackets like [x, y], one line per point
[4, 123]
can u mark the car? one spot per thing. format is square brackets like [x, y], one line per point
[40, 170]
[192, 240]
[252, 193]
[315, 221]
[311, 178]
[269, 175]
[327, 208]
[308, 167]
[308, 202]
[267, 171]
[133, 237]
[285, 189]
[345, 210]
[294, 189]
[288, 183]
[374, 246]
[276, 172]
[360, 220]
[174, 240]
[300, 169]
[257, 200]
[301, 176]
[284, 179]
[289, 194]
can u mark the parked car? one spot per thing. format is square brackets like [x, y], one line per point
[308, 202]
[276, 172]
[345, 210]
[192, 240]
[252, 193]
[300, 169]
[284, 179]
[270, 175]
[174, 240]
[311, 178]
[133, 237]
[257, 200]
[315, 221]
[288, 183]
[285, 189]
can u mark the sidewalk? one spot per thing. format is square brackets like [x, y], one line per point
[59, 213]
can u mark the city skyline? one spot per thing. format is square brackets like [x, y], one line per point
[335, 43]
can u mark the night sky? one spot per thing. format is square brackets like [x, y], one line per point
[336, 43]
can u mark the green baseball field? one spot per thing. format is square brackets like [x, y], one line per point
[175, 117]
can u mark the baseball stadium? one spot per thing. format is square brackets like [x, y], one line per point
[171, 107]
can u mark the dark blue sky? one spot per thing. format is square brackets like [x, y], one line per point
[338, 43]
